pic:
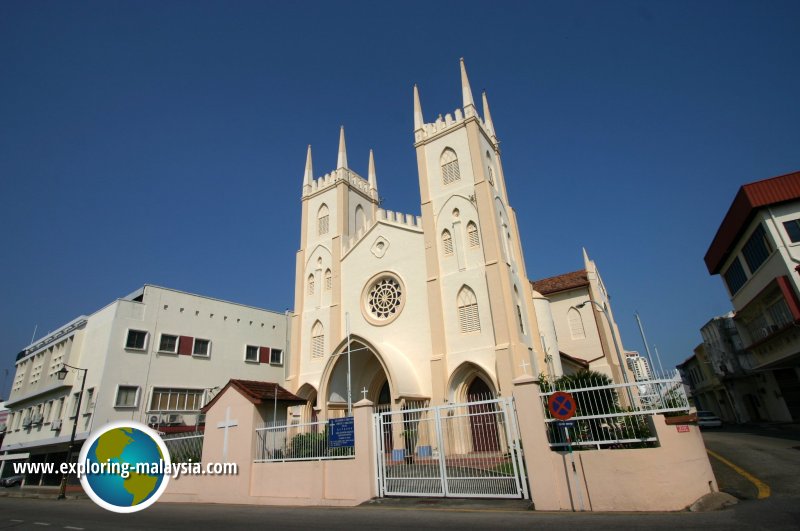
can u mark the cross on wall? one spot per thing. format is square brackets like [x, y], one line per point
[226, 425]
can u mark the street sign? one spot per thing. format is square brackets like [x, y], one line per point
[561, 405]
[565, 424]
[682, 428]
[341, 433]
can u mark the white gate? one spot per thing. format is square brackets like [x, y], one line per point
[469, 450]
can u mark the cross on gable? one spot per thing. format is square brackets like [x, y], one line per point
[226, 425]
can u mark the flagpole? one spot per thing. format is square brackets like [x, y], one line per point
[349, 395]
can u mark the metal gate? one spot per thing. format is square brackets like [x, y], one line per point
[469, 450]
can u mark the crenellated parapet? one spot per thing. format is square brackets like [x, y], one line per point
[451, 121]
[409, 220]
[336, 176]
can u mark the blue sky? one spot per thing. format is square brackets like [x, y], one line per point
[164, 142]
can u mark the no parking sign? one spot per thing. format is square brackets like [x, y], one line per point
[561, 405]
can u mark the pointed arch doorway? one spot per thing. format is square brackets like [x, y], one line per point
[482, 418]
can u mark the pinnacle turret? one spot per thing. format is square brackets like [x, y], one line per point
[466, 91]
[487, 117]
[308, 177]
[419, 121]
[341, 160]
[373, 183]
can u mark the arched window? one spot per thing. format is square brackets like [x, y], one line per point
[317, 340]
[328, 280]
[447, 243]
[310, 284]
[361, 219]
[449, 162]
[519, 312]
[472, 234]
[576, 330]
[468, 318]
[322, 220]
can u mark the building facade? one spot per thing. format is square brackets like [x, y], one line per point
[756, 252]
[155, 356]
[580, 333]
[437, 307]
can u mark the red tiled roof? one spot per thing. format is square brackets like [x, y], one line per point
[575, 279]
[572, 359]
[258, 392]
[748, 200]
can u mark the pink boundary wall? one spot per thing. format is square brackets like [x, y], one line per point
[341, 482]
[667, 478]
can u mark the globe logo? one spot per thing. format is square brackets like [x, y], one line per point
[125, 466]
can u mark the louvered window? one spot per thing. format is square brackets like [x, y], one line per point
[468, 318]
[328, 280]
[310, 284]
[447, 243]
[322, 220]
[449, 162]
[472, 234]
[317, 340]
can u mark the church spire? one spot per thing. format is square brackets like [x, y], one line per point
[466, 92]
[373, 183]
[341, 161]
[419, 121]
[487, 117]
[309, 174]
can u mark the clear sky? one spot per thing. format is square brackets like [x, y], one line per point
[164, 142]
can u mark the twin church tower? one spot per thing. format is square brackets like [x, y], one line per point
[437, 307]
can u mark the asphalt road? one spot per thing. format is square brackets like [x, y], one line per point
[769, 456]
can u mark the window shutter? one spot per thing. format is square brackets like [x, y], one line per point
[185, 345]
[263, 354]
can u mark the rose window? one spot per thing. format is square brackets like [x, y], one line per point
[384, 298]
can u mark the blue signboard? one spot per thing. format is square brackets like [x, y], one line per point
[341, 433]
[565, 424]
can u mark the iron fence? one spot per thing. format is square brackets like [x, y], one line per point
[184, 447]
[612, 415]
[297, 442]
[463, 450]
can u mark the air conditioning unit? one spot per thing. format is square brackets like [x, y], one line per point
[26, 422]
[174, 419]
[201, 418]
[37, 418]
[154, 420]
[55, 425]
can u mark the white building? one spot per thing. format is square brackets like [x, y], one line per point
[155, 356]
[756, 252]
[639, 366]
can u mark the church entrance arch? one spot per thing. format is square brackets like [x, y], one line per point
[368, 378]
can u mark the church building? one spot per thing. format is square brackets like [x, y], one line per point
[433, 308]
